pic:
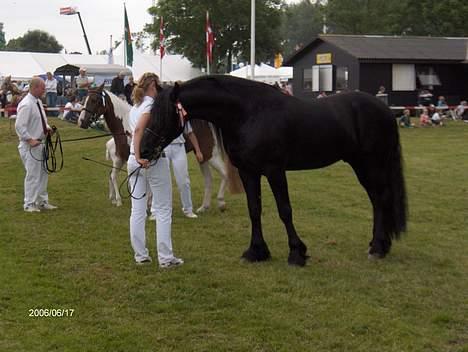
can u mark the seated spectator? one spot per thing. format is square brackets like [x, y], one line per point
[441, 102]
[424, 119]
[424, 97]
[72, 110]
[436, 118]
[321, 95]
[382, 95]
[461, 111]
[405, 120]
[286, 88]
[431, 110]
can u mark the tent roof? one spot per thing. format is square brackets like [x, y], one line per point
[24, 65]
[264, 73]
[20, 66]
[92, 69]
[174, 67]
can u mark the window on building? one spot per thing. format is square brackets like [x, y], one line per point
[307, 79]
[427, 76]
[322, 78]
[341, 79]
[404, 77]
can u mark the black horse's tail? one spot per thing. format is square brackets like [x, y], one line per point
[394, 196]
[379, 168]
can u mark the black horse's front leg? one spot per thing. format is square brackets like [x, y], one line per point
[258, 250]
[279, 186]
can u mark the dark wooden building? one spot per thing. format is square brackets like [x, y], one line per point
[403, 65]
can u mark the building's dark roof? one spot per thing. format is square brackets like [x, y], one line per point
[370, 47]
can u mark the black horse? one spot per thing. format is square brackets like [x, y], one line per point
[266, 132]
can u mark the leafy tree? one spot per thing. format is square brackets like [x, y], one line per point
[2, 37]
[398, 17]
[35, 41]
[434, 18]
[363, 16]
[185, 29]
[301, 22]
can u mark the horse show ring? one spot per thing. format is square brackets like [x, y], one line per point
[80, 259]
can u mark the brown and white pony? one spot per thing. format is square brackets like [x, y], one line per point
[116, 114]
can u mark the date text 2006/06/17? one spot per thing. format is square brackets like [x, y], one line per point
[51, 312]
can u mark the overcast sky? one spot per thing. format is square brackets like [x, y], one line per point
[101, 18]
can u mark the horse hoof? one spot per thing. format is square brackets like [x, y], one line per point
[118, 204]
[257, 254]
[222, 207]
[375, 256]
[202, 209]
[297, 258]
[113, 201]
[372, 254]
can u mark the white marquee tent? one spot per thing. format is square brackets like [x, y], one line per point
[265, 73]
[24, 65]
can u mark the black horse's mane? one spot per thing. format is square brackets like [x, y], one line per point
[225, 80]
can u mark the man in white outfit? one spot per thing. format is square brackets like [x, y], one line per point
[156, 174]
[177, 155]
[32, 128]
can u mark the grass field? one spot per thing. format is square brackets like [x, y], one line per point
[79, 257]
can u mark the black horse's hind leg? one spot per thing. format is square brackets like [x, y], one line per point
[258, 250]
[279, 186]
[372, 180]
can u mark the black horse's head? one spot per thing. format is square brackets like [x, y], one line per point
[167, 122]
[95, 106]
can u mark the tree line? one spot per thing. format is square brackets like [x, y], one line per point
[280, 27]
[284, 28]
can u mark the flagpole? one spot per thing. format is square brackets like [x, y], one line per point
[207, 44]
[84, 33]
[125, 44]
[252, 40]
[125, 52]
[162, 49]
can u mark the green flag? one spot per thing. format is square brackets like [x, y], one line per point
[128, 40]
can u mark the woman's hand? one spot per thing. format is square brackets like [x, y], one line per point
[143, 162]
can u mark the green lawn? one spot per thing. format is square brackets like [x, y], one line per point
[79, 257]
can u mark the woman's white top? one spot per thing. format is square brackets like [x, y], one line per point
[135, 114]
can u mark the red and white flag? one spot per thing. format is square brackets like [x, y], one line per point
[162, 49]
[67, 10]
[209, 39]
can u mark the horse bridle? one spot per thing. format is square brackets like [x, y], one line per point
[183, 119]
[94, 115]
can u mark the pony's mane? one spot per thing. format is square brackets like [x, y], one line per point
[121, 109]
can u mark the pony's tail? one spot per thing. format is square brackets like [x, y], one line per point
[394, 195]
[108, 157]
[235, 185]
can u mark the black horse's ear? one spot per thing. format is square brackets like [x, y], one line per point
[101, 87]
[175, 92]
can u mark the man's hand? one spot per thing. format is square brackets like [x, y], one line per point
[34, 142]
[199, 156]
